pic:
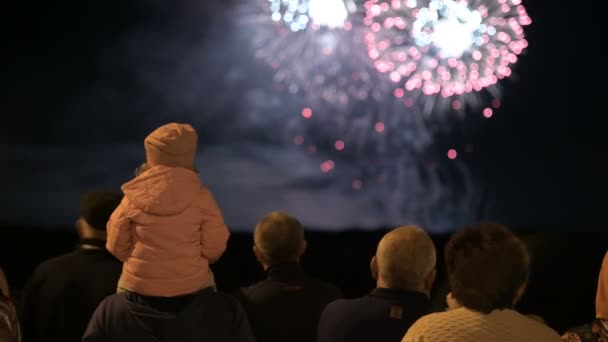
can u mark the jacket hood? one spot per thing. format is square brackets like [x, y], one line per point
[162, 190]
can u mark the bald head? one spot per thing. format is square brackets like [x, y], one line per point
[405, 258]
[279, 238]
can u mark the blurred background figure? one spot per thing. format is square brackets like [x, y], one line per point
[62, 293]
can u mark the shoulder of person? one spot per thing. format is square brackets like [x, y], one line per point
[438, 318]
[543, 328]
[340, 308]
[50, 267]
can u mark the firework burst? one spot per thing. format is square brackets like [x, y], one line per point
[316, 49]
[445, 49]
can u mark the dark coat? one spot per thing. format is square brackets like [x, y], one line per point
[62, 293]
[382, 316]
[205, 316]
[286, 306]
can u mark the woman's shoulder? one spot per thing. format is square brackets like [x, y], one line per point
[441, 318]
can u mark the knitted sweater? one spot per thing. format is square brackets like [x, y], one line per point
[464, 325]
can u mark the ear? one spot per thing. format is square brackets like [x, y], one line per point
[520, 292]
[303, 247]
[430, 280]
[452, 302]
[257, 253]
[81, 228]
[373, 266]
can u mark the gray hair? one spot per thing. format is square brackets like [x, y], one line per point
[406, 256]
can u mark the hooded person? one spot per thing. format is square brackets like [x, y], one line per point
[168, 228]
[597, 330]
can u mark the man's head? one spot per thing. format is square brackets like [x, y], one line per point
[405, 259]
[278, 238]
[487, 267]
[95, 210]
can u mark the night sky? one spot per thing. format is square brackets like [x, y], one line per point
[88, 80]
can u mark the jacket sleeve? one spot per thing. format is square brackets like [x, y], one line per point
[242, 328]
[30, 306]
[120, 242]
[214, 233]
[96, 330]
[331, 328]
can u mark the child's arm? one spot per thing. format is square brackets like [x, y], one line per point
[119, 241]
[214, 233]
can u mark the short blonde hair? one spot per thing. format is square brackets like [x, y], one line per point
[406, 256]
[279, 237]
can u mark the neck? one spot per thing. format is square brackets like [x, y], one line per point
[85, 231]
[266, 266]
[93, 235]
[382, 284]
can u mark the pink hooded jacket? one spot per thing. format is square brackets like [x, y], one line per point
[167, 230]
[601, 297]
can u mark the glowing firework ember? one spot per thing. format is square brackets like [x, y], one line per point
[445, 47]
[316, 49]
[298, 14]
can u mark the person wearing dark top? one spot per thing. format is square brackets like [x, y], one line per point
[404, 270]
[207, 315]
[285, 306]
[597, 330]
[62, 293]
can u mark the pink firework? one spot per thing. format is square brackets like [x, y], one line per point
[445, 48]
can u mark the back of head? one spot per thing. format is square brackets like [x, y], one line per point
[96, 207]
[601, 297]
[406, 256]
[279, 238]
[173, 145]
[487, 265]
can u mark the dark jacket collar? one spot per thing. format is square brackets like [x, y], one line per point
[91, 245]
[412, 297]
[286, 272]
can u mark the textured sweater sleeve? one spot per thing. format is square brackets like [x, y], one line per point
[214, 232]
[413, 334]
